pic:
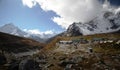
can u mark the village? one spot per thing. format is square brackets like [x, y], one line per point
[83, 44]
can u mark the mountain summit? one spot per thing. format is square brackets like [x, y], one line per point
[12, 29]
[108, 21]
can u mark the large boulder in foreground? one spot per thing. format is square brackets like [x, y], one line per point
[3, 59]
[28, 64]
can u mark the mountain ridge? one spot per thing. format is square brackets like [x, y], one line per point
[106, 22]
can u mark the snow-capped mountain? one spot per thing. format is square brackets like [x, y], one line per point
[106, 22]
[11, 29]
[14, 30]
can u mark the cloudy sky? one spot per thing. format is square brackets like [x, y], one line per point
[49, 15]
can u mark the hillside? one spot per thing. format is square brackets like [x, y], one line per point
[77, 55]
[10, 43]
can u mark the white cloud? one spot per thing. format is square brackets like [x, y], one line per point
[70, 11]
[29, 3]
[34, 31]
[37, 31]
[48, 33]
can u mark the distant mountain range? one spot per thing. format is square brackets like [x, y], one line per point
[14, 30]
[108, 21]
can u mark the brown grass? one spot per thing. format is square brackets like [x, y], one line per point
[12, 43]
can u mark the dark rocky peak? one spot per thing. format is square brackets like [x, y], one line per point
[108, 14]
[74, 29]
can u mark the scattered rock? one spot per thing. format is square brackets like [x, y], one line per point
[49, 65]
[64, 63]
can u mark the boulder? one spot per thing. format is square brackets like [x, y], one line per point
[13, 65]
[29, 64]
[3, 59]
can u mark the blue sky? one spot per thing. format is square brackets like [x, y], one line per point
[13, 11]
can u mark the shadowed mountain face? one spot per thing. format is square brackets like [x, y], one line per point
[10, 43]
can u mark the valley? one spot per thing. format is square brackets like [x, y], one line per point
[90, 52]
